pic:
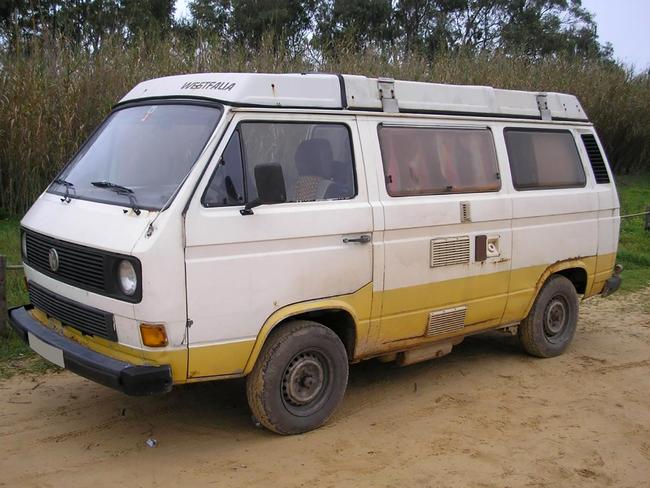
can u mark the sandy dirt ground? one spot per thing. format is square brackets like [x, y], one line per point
[486, 416]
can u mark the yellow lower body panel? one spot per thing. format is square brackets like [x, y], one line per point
[604, 265]
[405, 311]
[525, 283]
[492, 300]
[219, 359]
[398, 318]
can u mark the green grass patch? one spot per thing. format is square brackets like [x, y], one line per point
[634, 242]
[10, 248]
[15, 356]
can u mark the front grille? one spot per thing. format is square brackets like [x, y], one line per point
[87, 320]
[78, 265]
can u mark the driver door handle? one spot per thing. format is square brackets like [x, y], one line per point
[363, 239]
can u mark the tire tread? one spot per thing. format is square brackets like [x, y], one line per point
[256, 379]
[527, 330]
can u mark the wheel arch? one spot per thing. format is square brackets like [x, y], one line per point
[335, 314]
[575, 270]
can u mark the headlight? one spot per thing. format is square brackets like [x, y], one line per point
[23, 244]
[127, 277]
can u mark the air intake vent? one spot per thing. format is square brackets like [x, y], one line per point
[85, 319]
[445, 321]
[595, 158]
[449, 251]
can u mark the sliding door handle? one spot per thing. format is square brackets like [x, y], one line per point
[364, 239]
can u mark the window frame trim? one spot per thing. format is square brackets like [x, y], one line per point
[216, 168]
[407, 125]
[544, 130]
[281, 121]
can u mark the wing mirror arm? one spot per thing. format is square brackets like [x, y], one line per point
[248, 208]
[269, 181]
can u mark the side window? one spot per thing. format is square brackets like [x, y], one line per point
[542, 159]
[226, 186]
[430, 161]
[316, 159]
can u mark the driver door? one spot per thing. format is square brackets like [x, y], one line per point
[241, 269]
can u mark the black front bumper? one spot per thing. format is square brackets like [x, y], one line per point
[120, 375]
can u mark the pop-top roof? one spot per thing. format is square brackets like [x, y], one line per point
[329, 91]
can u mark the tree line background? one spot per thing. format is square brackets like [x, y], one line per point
[428, 27]
[63, 64]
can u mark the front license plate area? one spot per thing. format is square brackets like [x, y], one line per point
[51, 353]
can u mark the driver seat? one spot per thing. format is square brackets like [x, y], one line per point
[314, 161]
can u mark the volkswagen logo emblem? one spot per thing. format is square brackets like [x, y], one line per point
[53, 257]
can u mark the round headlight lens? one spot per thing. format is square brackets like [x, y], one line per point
[127, 277]
[23, 244]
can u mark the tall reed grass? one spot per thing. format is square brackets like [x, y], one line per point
[53, 94]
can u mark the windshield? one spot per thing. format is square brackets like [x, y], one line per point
[147, 149]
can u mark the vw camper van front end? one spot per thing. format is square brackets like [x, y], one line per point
[103, 249]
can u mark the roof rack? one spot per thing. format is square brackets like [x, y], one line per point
[332, 91]
[391, 95]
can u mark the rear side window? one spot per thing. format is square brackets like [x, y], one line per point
[430, 161]
[543, 159]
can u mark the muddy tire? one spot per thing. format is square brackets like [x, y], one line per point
[299, 379]
[551, 323]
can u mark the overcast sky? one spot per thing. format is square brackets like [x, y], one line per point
[624, 23]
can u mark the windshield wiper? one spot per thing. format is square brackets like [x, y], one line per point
[120, 190]
[68, 185]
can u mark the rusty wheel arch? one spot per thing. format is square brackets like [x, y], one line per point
[575, 270]
[338, 320]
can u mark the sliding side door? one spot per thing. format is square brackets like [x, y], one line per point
[447, 238]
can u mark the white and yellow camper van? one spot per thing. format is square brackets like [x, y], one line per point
[283, 226]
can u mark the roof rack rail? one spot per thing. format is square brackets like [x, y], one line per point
[387, 95]
[542, 103]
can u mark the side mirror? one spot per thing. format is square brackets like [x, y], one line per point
[271, 189]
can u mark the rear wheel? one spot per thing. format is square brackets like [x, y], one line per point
[299, 379]
[551, 323]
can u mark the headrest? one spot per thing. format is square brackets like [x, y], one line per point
[314, 158]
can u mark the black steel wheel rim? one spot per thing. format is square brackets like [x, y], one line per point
[556, 319]
[306, 382]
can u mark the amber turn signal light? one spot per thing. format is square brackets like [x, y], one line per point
[153, 335]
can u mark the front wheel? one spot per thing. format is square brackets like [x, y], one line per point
[299, 379]
[551, 323]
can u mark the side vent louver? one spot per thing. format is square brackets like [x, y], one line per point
[595, 158]
[444, 321]
[449, 251]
